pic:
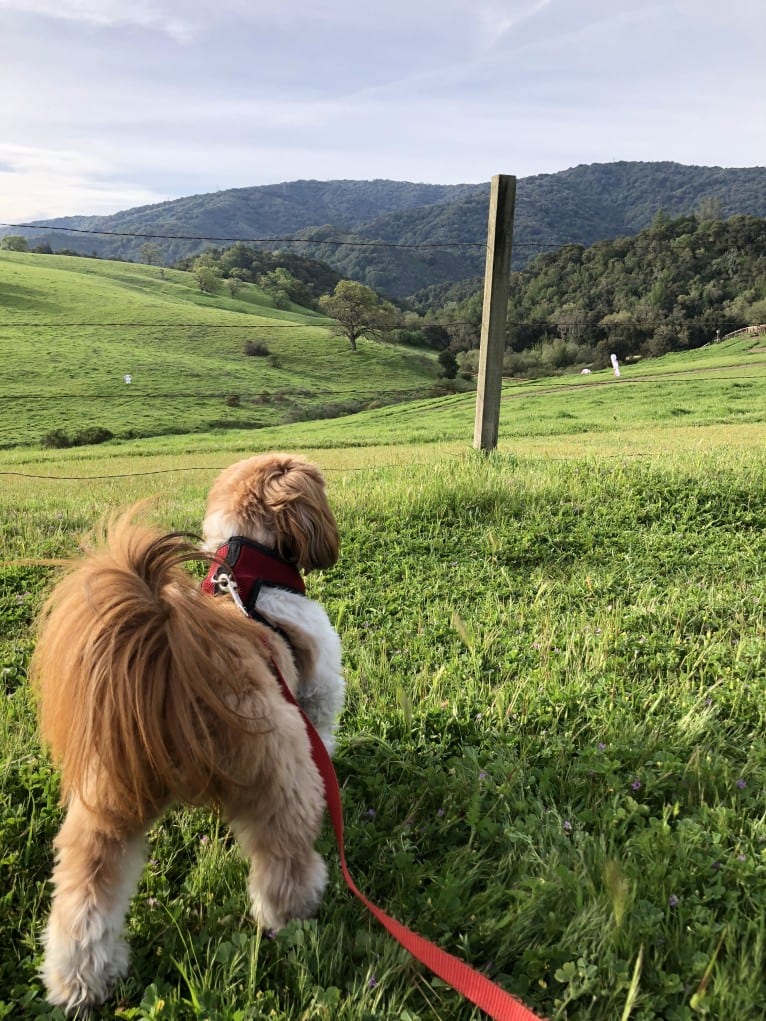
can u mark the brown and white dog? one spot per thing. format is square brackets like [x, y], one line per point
[153, 692]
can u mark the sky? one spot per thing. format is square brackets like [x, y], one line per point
[111, 104]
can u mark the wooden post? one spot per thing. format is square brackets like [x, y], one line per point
[502, 200]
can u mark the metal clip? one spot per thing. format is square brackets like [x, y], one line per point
[227, 584]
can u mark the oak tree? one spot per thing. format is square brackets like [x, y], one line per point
[358, 311]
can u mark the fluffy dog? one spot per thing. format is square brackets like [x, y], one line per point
[151, 691]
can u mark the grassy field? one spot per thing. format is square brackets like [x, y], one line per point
[183, 349]
[553, 758]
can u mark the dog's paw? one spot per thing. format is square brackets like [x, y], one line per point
[278, 894]
[78, 976]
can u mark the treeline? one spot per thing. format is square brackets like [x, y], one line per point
[287, 278]
[680, 284]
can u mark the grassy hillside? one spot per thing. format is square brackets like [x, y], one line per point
[73, 328]
[713, 399]
[553, 755]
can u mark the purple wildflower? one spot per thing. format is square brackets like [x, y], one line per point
[567, 826]
[672, 901]
[636, 785]
[741, 783]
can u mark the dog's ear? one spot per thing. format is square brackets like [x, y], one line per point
[305, 528]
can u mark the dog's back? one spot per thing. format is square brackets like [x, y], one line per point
[134, 680]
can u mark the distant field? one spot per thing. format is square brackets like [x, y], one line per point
[698, 401]
[183, 349]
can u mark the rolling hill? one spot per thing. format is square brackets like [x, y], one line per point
[338, 219]
[73, 329]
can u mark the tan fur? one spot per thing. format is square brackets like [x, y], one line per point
[281, 498]
[152, 692]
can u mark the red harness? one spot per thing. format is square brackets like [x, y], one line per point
[254, 567]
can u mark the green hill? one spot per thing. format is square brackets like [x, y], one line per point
[674, 286]
[73, 329]
[581, 205]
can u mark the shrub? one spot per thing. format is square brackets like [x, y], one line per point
[232, 400]
[92, 434]
[256, 349]
[448, 363]
[56, 439]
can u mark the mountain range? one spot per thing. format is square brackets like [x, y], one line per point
[337, 220]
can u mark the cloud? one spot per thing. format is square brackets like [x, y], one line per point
[498, 21]
[35, 181]
[107, 14]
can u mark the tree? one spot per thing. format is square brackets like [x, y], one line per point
[448, 362]
[151, 253]
[284, 288]
[358, 311]
[709, 207]
[206, 274]
[14, 243]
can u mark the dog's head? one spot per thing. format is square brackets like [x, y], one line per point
[278, 500]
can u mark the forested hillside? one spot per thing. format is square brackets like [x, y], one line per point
[677, 285]
[339, 219]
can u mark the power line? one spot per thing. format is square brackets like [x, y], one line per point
[257, 325]
[131, 394]
[253, 241]
[287, 240]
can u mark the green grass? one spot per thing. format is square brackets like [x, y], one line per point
[60, 374]
[552, 758]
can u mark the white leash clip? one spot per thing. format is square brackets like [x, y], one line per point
[227, 584]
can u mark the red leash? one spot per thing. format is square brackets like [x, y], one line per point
[474, 986]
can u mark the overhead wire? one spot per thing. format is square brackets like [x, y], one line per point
[356, 243]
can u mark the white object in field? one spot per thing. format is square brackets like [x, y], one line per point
[128, 378]
[616, 366]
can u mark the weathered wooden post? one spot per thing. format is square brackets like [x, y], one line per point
[502, 202]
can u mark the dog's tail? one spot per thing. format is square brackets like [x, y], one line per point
[135, 671]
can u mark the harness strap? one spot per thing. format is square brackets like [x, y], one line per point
[474, 986]
[253, 566]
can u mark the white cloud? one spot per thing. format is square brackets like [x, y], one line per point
[107, 14]
[36, 182]
[498, 20]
